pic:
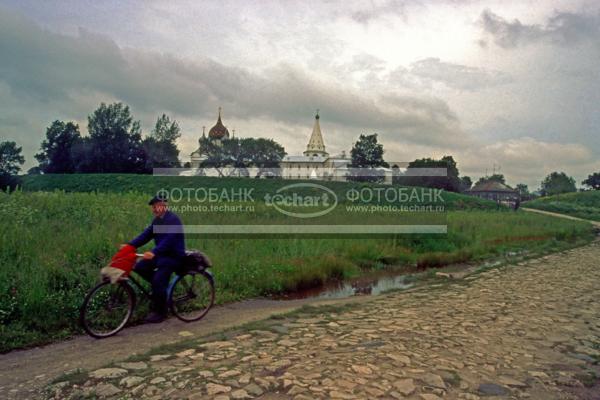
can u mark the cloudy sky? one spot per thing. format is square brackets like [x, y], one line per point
[511, 85]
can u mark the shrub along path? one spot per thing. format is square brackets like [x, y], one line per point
[530, 330]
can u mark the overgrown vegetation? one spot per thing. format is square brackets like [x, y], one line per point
[584, 205]
[122, 183]
[54, 243]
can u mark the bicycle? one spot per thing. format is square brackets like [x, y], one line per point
[108, 307]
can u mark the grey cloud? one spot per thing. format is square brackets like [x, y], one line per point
[378, 9]
[48, 75]
[458, 76]
[364, 62]
[562, 29]
[290, 89]
[402, 78]
[423, 73]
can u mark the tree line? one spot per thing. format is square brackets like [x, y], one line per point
[367, 162]
[115, 145]
[368, 153]
[241, 153]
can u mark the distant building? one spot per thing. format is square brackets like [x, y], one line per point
[215, 134]
[495, 191]
[315, 163]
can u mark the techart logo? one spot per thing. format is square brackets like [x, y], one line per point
[303, 200]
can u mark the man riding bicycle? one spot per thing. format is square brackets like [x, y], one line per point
[157, 265]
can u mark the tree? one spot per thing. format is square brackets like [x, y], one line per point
[160, 147]
[56, 150]
[115, 141]
[465, 183]
[262, 153]
[166, 130]
[81, 152]
[593, 181]
[523, 190]
[418, 175]
[367, 155]
[241, 153]
[217, 154]
[11, 160]
[556, 183]
[367, 152]
[265, 154]
[491, 178]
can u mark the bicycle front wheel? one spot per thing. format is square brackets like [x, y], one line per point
[192, 296]
[107, 308]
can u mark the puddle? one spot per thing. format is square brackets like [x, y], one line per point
[380, 282]
[367, 285]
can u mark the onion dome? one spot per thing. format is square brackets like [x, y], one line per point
[218, 131]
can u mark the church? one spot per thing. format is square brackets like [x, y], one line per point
[315, 163]
[215, 134]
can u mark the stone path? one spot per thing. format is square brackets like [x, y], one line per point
[526, 331]
[24, 372]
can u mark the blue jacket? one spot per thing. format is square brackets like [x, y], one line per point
[170, 244]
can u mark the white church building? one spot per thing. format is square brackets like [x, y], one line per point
[315, 163]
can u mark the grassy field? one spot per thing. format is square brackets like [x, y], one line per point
[52, 245]
[124, 183]
[584, 205]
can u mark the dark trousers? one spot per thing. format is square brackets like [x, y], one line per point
[158, 272]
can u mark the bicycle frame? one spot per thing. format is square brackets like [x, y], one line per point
[172, 282]
[146, 293]
[139, 286]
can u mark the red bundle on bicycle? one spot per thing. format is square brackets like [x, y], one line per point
[121, 264]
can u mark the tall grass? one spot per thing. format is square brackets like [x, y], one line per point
[52, 245]
[123, 183]
[584, 205]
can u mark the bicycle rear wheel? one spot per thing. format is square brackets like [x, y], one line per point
[192, 296]
[107, 308]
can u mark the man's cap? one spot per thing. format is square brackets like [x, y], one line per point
[158, 197]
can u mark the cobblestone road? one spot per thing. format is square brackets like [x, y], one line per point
[530, 330]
